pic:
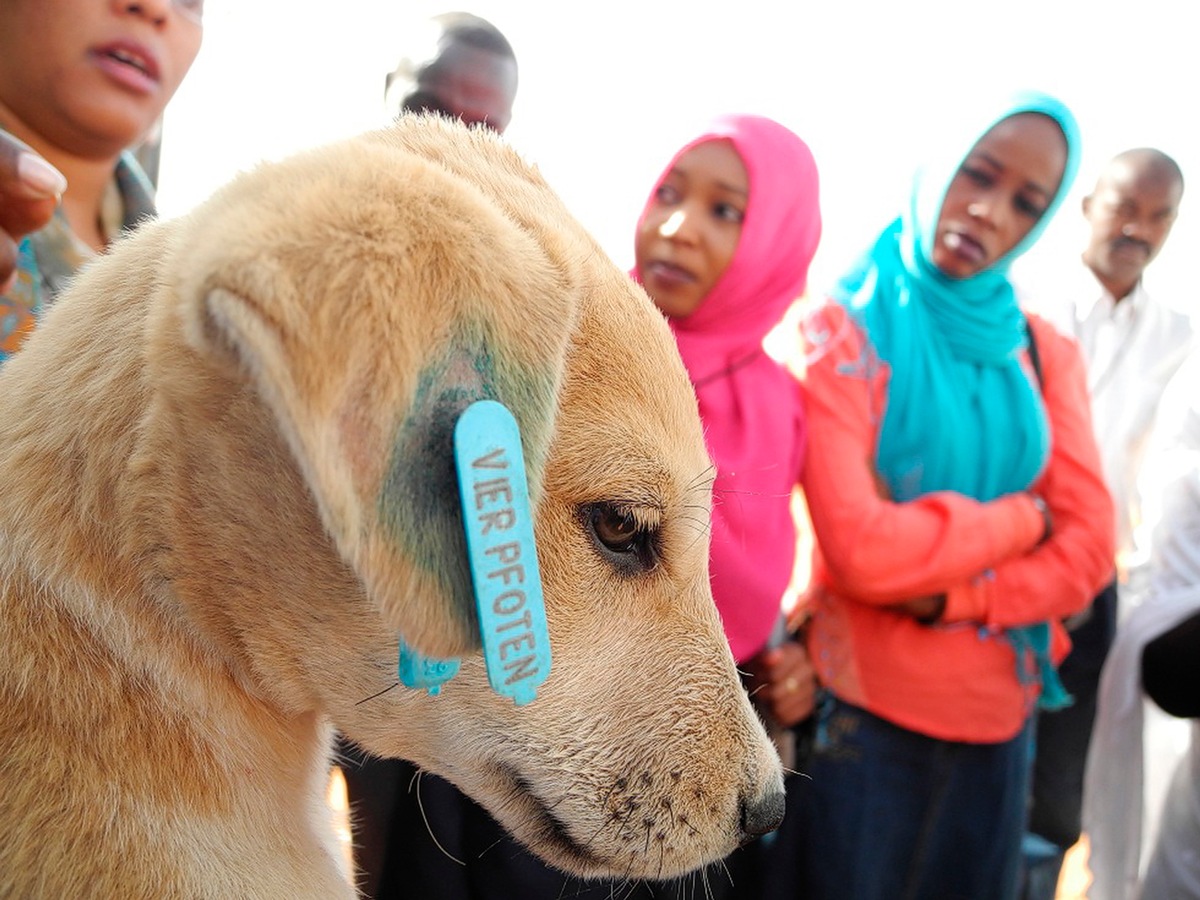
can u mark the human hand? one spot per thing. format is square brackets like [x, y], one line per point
[30, 189]
[784, 683]
[925, 610]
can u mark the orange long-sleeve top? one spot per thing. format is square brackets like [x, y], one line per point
[956, 679]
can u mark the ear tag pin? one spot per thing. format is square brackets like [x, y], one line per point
[417, 671]
[503, 559]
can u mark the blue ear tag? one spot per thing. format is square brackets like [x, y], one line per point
[503, 560]
[417, 671]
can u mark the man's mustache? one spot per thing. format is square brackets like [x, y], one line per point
[1131, 242]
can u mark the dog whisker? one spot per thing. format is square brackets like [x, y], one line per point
[666, 804]
[734, 491]
[683, 820]
[725, 869]
[700, 878]
[579, 887]
[701, 533]
[492, 846]
[587, 845]
[632, 862]
[421, 806]
[627, 888]
[378, 694]
[707, 882]
[709, 474]
[561, 798]
[687, 885]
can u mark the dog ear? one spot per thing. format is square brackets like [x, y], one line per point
[372, 436]
[373, 292]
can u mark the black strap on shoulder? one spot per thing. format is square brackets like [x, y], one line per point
[1035, 358]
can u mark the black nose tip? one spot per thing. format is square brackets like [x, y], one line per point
[762, 815]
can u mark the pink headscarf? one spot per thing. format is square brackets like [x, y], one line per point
[749, 404]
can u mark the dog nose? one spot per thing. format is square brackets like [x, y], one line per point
[762, 815]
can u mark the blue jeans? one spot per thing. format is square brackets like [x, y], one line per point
[896, 815]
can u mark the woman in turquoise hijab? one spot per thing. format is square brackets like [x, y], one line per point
[980, 520]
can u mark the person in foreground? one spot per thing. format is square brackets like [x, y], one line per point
[81, 82]
[960, 513]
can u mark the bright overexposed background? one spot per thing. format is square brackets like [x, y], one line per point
[607, 90]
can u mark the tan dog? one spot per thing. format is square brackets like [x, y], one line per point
[229, 488]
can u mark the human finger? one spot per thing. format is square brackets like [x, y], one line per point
[30, 188]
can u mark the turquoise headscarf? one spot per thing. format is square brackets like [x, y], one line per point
[963, 413]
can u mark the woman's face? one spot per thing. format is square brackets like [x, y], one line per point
[1002, 189]
[691, 228]
[88, 76]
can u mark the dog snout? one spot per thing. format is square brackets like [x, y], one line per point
[762, 814]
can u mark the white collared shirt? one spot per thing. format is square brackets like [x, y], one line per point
[1132, 348]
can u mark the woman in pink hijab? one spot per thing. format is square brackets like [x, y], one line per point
[723, 248]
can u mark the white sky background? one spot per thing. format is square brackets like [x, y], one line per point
[608, 89]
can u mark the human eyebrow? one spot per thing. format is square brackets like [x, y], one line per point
[999, 166]
[1037, 188]
[1030, 206]
[980, 156]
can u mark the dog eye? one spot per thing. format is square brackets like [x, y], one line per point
[616, 530]
[622, 539]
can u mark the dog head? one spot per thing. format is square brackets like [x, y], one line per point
[323, 323]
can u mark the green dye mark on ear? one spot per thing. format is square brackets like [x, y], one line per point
[419, 507]
[502, 557]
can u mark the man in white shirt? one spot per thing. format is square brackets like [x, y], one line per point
[1132, 343]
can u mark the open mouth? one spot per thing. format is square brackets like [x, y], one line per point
[129, 64]
[129, 59]
[965, 247]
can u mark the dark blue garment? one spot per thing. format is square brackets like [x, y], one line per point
[431, 842]
[1060, 751]
[896, 815]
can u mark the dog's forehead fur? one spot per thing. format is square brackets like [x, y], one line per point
[236, 490]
